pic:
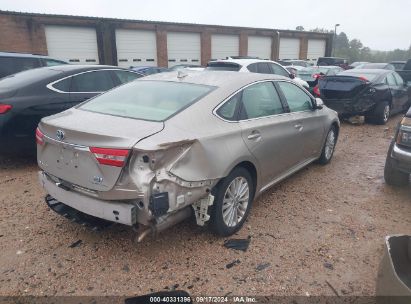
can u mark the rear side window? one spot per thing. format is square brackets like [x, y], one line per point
[124, 76]
[63, 85]
[263, 68]
[296, 98]
[97, 81]
[12, 65]
[147, 100]
[223, 66]
[278, 70]
[229, 110]
[260, 100]
[252, 67]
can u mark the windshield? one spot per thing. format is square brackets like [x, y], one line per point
[147, 100]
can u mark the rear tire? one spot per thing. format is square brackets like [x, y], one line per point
[329, 146]
[392, 175]
[233, 198]
[380, 115]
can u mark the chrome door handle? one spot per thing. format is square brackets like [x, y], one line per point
[254, 135]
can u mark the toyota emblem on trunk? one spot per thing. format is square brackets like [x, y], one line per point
[60, 134]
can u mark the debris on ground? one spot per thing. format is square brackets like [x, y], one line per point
[262, 266]
[238, 244]
[356, 120]
[329, 266]
[236, 262]
[76, 244]
[332, 288]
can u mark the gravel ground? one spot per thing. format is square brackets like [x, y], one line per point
[324, 224]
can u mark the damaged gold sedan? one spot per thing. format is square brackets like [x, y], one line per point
[151, 152]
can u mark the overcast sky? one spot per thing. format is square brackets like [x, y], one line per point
[379, 24]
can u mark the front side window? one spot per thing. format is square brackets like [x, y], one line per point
[278, 70]
[398, 78]
[260, 100]
[390, 80]
[263, 68]
[147, 100]
[97, 81]
[296, 98]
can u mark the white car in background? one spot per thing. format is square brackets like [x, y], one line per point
[254, 66]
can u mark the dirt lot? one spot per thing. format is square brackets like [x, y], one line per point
[323, 224]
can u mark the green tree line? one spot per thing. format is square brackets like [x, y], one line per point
[354, 50]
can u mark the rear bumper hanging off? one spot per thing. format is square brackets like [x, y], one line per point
[113, 211]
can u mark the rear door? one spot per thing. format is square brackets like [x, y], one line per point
[267, 131]
[89, 84]
[309, 123]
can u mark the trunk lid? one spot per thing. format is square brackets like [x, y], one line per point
[69, 135]
[341, 87]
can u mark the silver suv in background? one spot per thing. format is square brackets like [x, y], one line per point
[11, 63]
[254, 65]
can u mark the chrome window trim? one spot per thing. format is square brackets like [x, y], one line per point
[50, 85]
[251, 119]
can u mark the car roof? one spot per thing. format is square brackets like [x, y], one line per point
[370, 71]
[398, 61]
[213, 78]
[25, 55]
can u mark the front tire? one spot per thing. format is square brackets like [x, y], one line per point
[329, 146]
[392, 175]
[233, 198]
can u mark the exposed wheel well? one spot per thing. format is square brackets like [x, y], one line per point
[249, 166]
[337, 128]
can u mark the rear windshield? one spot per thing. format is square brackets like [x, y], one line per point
[223, 66]
[369, 76]
[147, 100]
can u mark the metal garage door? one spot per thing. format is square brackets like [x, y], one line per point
[136, 48]
[223, 46]
[259, 47]
[289, 48]
[183, 48]
[316, 48]
[77, 45]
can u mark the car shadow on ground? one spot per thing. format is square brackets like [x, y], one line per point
[17, 161]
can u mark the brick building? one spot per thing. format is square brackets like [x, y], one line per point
[134, 42]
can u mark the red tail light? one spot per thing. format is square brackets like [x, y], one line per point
[316, 91]
[4, 108]
[363, 78]
[316, 76]
[110, 157]
[39, 137]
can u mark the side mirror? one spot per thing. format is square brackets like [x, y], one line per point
[319, 104]
[292, 76]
